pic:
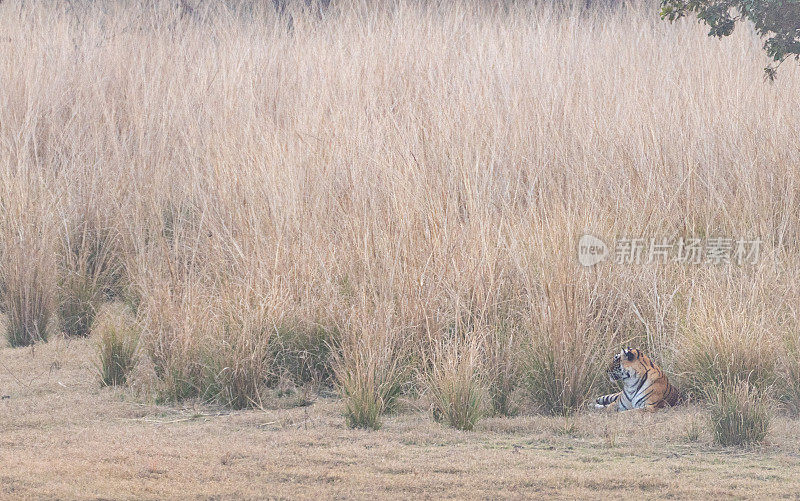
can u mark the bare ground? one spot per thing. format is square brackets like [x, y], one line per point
[62, 436]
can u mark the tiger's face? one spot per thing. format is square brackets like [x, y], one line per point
[624, 365]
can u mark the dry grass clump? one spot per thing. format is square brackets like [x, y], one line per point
[788, 383]
[371, 370]
[740, 414]
[209, 341]
[117, 337]
[454, 383]
[571, 340]
[503, 370]
[27, 265]
[89, 274]
[238, 360]
[304, 355]
[27, 299]
[175, 321]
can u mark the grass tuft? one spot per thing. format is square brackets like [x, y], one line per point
[303, 356]
[28, 306]
[455, 384]
[89, 274]
[27, 265]
[570, 348]
[740, 414]
[371, 371]
[723, 344]
[174, 322]
[238, 367]
[502, 372]
[117, 346]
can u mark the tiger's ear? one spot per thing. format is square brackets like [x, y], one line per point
[630, 355]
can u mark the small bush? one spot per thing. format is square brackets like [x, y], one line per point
[454, 382]
[740, 414]
[117, 347]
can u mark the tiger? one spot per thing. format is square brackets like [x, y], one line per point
[644, 384]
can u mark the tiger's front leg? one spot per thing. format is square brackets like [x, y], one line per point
[609, 402]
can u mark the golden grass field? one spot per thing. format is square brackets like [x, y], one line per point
[65, 438]
[227, 209]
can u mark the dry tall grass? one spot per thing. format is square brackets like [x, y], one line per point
[434, 163]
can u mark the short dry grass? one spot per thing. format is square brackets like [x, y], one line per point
[65, 437]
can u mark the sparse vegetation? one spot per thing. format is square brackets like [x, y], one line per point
[693, 431]
[189, 451]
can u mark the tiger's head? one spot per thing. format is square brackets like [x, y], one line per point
[626, 364]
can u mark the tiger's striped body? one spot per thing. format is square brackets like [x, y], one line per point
[644, 384]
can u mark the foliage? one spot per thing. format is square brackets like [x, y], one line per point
[776, 20]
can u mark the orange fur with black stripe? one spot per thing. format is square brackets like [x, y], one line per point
[644, 384]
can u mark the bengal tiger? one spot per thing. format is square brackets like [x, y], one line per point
[644, 384]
